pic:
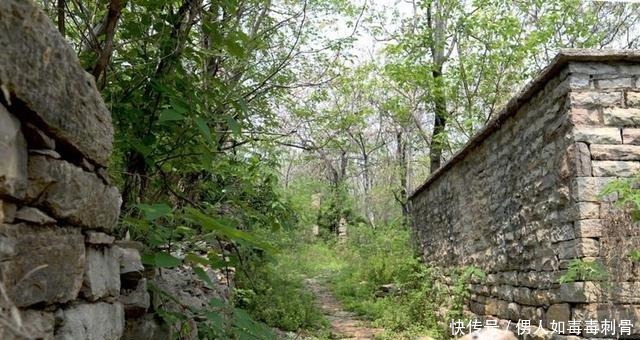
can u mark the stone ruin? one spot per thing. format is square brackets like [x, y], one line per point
[63, 275]
[522, 199]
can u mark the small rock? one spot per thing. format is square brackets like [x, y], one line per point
[34, 215]
[130, 263]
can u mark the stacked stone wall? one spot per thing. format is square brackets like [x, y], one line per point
[60, 266]
[522, 201]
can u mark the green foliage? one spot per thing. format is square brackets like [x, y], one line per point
[421, 303]
[275, 294]
[627, 194]
[584, 270]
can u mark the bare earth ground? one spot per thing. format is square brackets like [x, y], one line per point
[344, 325]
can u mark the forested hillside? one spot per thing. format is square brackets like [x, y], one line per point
[278, 141]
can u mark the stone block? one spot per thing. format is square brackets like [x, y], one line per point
[615, 83]
[70, 193]
[579, 292]
[13, 148]
[591, 99]
[631, 136]
[34, 324]
[33, 215]
[37, 139]
[136, 301]
[587, 210]
[560, 312]
[95, 321]
[41, 264]
[588, 189]
[617, 116]
[584, 116]
[146, 327]
[7, 211]
[615, 152]
[562, 232]
[56, 88]
[615, 168]
[102, 273]
[597, 135]
[633, 99]
[98, 238]
[581, 247]
[588, 228]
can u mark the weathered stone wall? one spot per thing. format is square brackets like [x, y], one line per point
[520, 201]
[59, 265]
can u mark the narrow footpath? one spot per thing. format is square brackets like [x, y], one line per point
[344, 324]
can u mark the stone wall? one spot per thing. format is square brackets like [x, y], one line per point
[60, 267]
[520, 201]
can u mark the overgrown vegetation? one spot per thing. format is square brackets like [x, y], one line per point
[242, 124]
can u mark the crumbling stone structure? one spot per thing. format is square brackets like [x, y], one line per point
[60, 266]
[521, 199]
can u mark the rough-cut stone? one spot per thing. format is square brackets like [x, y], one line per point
[597, 135]
[13, 150]
[560, 312]
[70, 193]
[40, 69]
[621, 117]
[96, 321]
[582, 116]
[596, 99]
[136, 301]
[615, 152]
[588, 228]
[34, 324]
[633, 99]
[580, 292]
[37, 139]
[631, 136]
[615, 168]
[580, 247]
[34, 215]
[41, 263]
[588, 189]
[587, 210]
[50, 153]
[130, 262]
[95, 237]
[7, 211]
[615, 83]
[102, 273]
[562, 232]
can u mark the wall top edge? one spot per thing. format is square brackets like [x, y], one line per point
[558, 63]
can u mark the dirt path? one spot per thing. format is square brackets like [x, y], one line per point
[344, 325]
